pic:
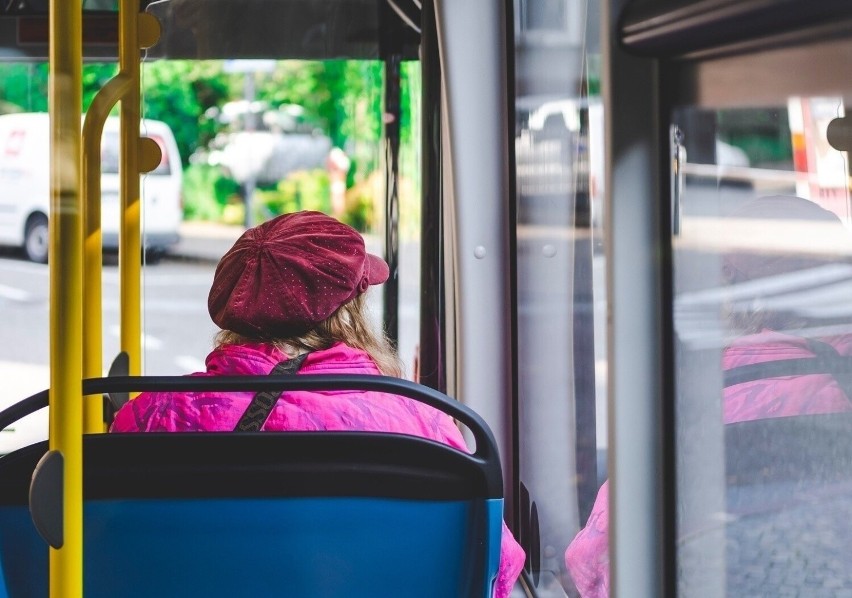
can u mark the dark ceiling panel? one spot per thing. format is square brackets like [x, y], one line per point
[306, 29]
[232, 29]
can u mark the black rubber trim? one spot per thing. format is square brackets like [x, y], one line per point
[262, 464]
[787, 367]
[670, 29]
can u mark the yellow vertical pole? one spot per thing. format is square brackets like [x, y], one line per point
[93, 127]
[130, 235]
[92, 268]
[65, 258]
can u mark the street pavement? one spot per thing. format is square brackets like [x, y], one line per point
[204, 241]
[208, 241]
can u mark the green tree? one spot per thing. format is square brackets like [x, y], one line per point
[95, 76]
[343, 96]
[179, 92]
[24, 85]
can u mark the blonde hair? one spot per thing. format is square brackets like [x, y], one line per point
[754, 319]
[349, 325]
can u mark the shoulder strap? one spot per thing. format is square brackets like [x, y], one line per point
[826, 360]
[263, 402]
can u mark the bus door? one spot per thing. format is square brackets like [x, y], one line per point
[751, 214]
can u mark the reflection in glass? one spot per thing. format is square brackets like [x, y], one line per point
[763, 324]
[763, 281]
[560, 274]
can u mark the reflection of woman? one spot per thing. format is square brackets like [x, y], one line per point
[767, 336]
[773, 335]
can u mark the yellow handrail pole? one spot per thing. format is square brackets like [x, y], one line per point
[130, 233]
[93, 127]
[66, 279]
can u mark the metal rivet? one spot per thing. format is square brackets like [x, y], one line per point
[479, 252]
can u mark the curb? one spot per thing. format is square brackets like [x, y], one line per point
[203, 241]
[201, 229]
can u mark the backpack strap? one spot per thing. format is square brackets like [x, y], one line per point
[826, 361]
[263, 402]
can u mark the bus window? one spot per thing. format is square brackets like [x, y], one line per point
[762, 284]
[561, 354]
[192, 193]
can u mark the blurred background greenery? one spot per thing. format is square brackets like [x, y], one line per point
[338, 101]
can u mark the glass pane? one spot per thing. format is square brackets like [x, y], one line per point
[316, 145]
[409, 189]
[560, 291]
[763, 285]
[255, 139]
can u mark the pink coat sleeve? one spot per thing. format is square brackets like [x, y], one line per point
[512, 559]
[125, 418]
[587, 557]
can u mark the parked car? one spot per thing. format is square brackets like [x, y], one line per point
[25, 185]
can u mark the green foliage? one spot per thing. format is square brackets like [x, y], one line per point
[179, 92]
[410, 113]
[311, 190]
[24, 86]
[359, 211]
[206, 192]
[95, 76]
[342, 96]
[764, 135]
[343, 99]
[409, 184]
[303, 190]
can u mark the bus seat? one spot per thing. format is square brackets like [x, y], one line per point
[184, 514]
[314, 514]
[789, 505]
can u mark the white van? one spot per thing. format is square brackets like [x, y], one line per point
[25, 185]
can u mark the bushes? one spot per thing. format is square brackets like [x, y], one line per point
[365, 203]
[207, 191]
[211, 195]
[303, 190]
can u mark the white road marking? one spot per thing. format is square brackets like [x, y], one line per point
[27, 267]
[14, 294]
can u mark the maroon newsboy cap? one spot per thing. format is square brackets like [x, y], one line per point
[285, 276]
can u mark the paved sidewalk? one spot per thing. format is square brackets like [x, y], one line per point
[204, 241]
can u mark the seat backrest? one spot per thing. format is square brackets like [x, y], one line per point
[789, 504]
[294, 513]
[801, 448]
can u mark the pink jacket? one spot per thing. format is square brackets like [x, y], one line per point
[587, 557]
[304, 411]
